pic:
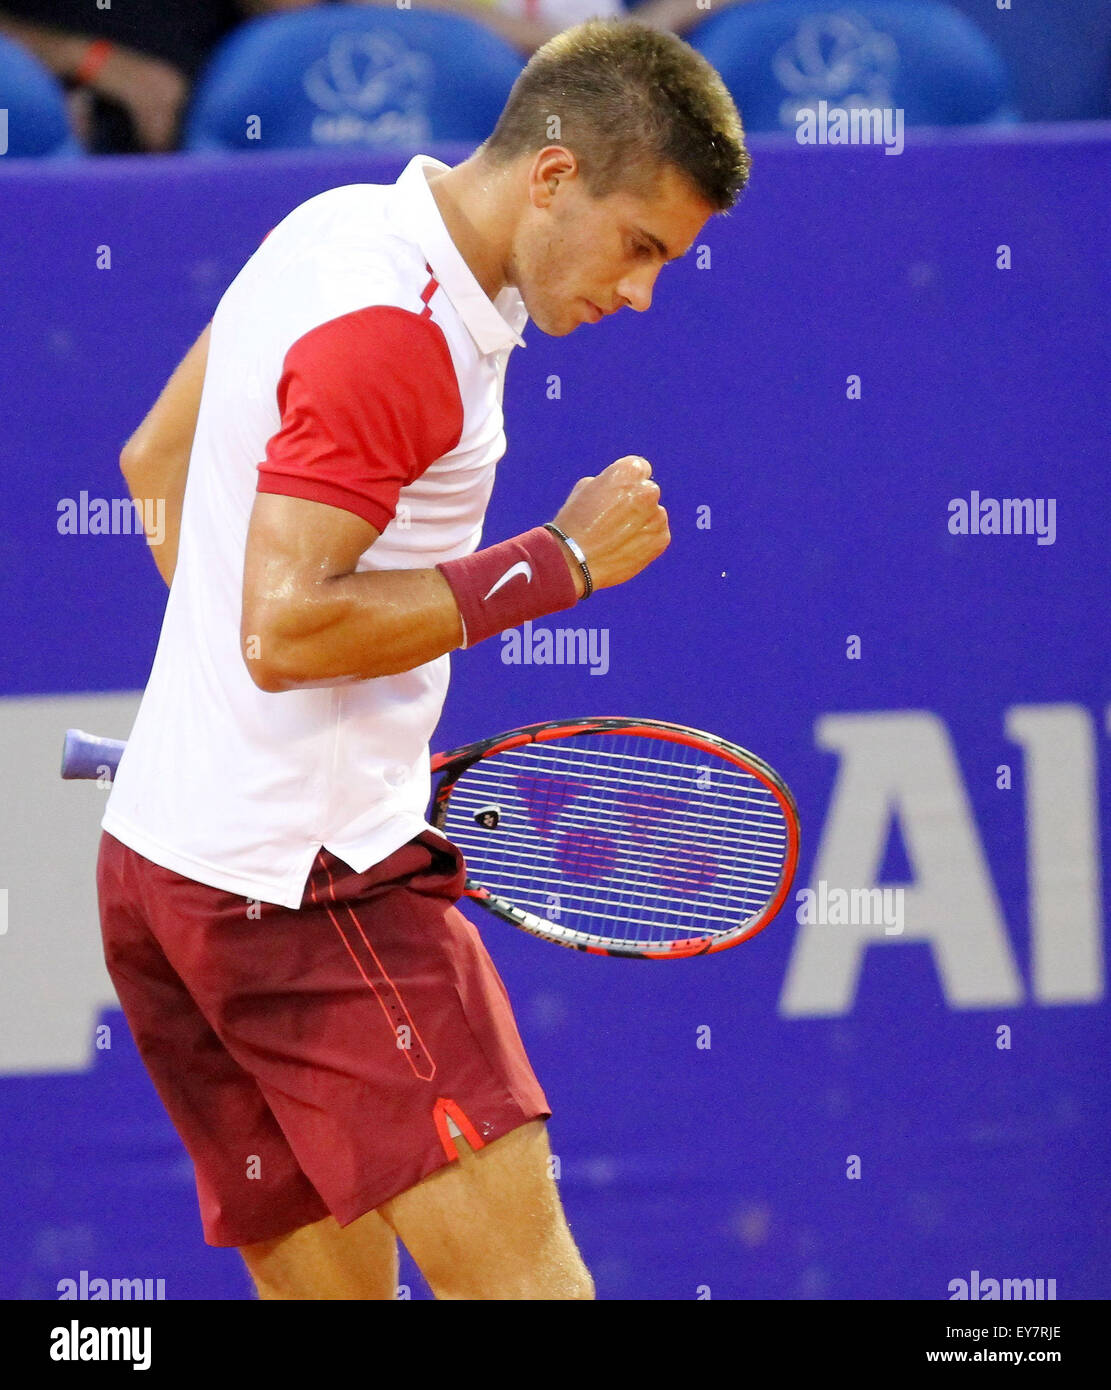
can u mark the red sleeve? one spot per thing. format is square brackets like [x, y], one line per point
[368, 400]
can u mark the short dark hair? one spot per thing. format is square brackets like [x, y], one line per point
[630, 100]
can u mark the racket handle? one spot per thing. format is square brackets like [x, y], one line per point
[84, 755]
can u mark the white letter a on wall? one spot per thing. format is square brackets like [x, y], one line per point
[901, 765]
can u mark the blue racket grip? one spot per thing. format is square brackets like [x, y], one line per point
[84, 755]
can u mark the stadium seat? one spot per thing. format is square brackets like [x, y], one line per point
[779, 57]
[343, 76]
[1058, 51]
[34, 121]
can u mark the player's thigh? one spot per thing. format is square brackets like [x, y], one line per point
[327, 1261]
[491, 1225]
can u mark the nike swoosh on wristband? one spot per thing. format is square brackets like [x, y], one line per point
[521, 567]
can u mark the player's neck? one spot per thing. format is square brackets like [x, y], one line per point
[472, 199]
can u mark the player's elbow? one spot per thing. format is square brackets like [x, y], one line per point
[272, 676]
[265, 676]
[280, 640]
[267, 657]
[131, 460]
[264, 645]
[146, 471]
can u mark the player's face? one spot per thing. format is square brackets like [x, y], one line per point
[578, 258]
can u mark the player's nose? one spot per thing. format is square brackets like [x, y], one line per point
[636, 291]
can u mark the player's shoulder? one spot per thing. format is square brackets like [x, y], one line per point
[330, 210]
[351, 226]
[339, 251]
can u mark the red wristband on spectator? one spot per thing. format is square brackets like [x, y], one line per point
[94, 58]
[507, 584]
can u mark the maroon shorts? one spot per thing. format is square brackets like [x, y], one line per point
[318, 1060]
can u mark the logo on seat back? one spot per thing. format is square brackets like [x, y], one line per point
[375, 88]
[837, 58]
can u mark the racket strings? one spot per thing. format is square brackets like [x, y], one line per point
[534, 873]
[598, 833]
[659, 769]
[588, 811]
[763, 856]
[578, 786]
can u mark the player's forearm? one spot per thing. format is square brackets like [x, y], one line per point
[61, 53]
[349, 628]
[157, 483]
[155, 460]
[312, 624]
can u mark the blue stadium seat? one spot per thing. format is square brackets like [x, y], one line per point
[33, 116]
[782, 56]
[1058, 51]
[343, 76]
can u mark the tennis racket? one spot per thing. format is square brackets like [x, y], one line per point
[620, 837]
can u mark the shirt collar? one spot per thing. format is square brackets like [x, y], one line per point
[493, 324]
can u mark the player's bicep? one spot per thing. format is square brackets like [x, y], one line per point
[294, 548]
[366, 402]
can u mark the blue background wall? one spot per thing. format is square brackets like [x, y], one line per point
[682, 1168]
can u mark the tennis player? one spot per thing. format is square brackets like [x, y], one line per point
[325, 1028]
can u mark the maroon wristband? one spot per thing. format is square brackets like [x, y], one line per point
[507, 584]
[93, 59]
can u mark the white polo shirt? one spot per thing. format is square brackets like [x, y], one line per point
[354, 361]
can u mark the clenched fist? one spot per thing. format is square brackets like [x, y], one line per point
[617, 520]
